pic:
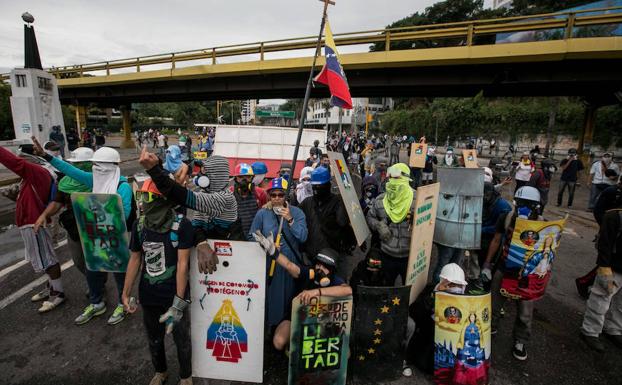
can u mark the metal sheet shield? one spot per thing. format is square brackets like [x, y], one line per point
[101, 224]
[459, 214]
[319, 341]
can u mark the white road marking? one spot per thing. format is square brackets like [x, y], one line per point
[37, 282]
[21, 263]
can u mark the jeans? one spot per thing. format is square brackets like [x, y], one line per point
[595, 193]
[445, 256]
[524, 311]
[96, 281]
[562, 186]
[603, 310]
[156, 334]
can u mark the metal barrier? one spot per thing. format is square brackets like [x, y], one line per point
[465, 31]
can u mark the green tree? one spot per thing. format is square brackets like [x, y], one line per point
[6, 119]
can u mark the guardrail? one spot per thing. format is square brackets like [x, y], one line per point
[466, 32]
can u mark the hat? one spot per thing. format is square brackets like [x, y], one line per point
[328, 258]
[278, 184]
[149, 186]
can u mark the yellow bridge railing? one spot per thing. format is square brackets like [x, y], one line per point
[465, 32]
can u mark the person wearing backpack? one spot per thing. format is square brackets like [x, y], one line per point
[160, 249]
[35, 191]
[105, 178]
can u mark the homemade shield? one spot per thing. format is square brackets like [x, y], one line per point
[418, 152]
[339, 169]
[459, 214]
[462, 339]
[530, 257]
[101, 224]
[381, 316]
[421, 239]
[319, 341]
[227, 313]
[470, 158]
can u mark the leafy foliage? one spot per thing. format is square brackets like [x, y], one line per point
[6, 121]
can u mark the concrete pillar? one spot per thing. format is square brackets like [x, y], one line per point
[80, 119]
[587, 133]
[127, 127]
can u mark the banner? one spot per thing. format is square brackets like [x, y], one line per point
[200, 155]
[319, 341]
[530, 257]
[340, 171]
[418, 153]
[421, 239]
[470, 158]
[381, 317]
[462, 339]
[227, 313]
[101, 224]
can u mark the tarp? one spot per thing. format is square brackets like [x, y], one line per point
[462, 339]
[101, 224]
[381, 316]
[227, 313]
[319, 341]
[421, 239]
[339, 169]
[418, 153]
[530, 258]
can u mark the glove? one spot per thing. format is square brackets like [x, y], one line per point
[207, 258]
[266, 243]
[606, 281]
[174, 313]
[486, 274]
[384, 232]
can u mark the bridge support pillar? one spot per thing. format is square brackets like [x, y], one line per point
[587, 133]
[80, 119]
[127, 127]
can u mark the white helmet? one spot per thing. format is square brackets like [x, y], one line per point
[528, 193]
[81, 154]
[487, 175]
[453, 273]
[106, 155]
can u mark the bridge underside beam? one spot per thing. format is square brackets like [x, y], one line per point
[597, 79]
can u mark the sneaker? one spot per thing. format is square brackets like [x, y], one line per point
[185, 381]
[53, 302]
[117, 316]
[42, 295]
[493, 330]
[519, 351]
[407, 371]
[616, 339]
[159, 378]
[593, 343]
[93, 310]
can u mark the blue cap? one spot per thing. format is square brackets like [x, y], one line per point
[320, 175]
[278, 183]
[259, 168]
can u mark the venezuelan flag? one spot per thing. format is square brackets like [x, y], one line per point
[332, 73]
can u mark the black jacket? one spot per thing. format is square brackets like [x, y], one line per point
[328, 225]
[610, 241]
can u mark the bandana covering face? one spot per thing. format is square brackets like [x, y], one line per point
[158, 215]
[173, 159]
[105, 178]
[399, 196]
[303, 190]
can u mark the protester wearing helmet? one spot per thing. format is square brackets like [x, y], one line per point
[250, 198]
[290, 220]
[327, 221]
[260, 170]
[526, 206]
[390, 217]
[303, 188]
[173, 163]
[316, 281]
[160, 248]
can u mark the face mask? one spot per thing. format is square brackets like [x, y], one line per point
[285, 175]
[105, 178]
[243, 185]
[455, 290]
[321, 191]
[524, 212]
[314, 156]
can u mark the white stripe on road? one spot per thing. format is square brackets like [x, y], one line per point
[37, 282]
[21, 263]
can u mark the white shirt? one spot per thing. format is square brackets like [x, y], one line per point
[523, 171]
[161, 140]
[599, 177]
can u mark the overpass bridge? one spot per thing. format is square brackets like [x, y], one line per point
[461, 59]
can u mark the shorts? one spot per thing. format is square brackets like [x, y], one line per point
[39, 250]
[427, 176]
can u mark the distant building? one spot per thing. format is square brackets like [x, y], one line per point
[247, 115]
[496, 4]
[319, 117]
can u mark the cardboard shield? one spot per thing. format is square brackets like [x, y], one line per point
[421, 239]
[459, 214]
[530, 257]
[418, 152]
[470, 158]
[101, 225]
[339, 169]
[319, 341]
[200, 155]
[227, 313]
[462, 339]
[381, 316]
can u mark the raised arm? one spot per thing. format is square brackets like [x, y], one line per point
[84, 177]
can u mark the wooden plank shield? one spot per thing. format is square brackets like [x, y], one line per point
[462, 339]
[381, 317]
[227, 313]
[470, 158]
[319, 341]
[418, 153]
[101, 225]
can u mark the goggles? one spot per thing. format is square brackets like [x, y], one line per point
[395, 172]
[374, 263]
[147, 196]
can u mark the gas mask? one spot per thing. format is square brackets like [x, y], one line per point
[201, 181]
[321, 278]
[526, 209]
[243, 184]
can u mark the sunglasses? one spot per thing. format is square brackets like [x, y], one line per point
[277, 195]
[147, 196]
